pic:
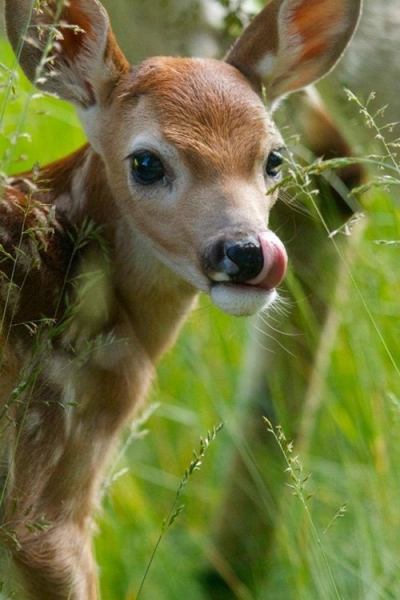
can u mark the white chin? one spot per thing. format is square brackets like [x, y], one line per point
[241, 300]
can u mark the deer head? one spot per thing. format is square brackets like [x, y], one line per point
[188, 147]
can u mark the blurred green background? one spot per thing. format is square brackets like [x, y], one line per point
[337, 535]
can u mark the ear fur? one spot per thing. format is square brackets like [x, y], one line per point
[66, 48]
[293, 43]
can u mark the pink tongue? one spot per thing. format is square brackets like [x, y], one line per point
[275, 262]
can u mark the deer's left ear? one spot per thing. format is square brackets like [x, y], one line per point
[292, 43]
[67, 48]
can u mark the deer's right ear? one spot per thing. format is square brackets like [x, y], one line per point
[292, 43]
[66, 48]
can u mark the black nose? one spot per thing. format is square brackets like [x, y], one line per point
[235, 260]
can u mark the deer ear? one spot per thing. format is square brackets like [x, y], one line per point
[66, 48]
[292, 43]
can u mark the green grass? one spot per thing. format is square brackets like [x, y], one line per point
[322, 550]
[33, 128]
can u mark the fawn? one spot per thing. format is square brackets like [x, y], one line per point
[104, 252]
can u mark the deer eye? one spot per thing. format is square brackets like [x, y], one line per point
[146, 168]
[274, 164]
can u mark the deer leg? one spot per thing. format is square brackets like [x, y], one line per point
[57, 563]
[63, 440]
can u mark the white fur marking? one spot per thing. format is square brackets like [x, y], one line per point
[241, 301]
[89, 117]
[266, 65]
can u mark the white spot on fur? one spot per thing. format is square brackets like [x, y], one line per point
[89, 117]
[33, 424]
[266, 65]
[56, 456]
[69, 401]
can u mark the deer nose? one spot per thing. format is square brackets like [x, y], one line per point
[247, 258]
[237, 261]
[255, 260]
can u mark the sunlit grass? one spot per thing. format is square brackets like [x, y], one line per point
[33, 128]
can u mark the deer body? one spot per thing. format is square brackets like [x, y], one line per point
[105, 251]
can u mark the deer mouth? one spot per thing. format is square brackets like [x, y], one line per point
[241, 300]
[247, 276]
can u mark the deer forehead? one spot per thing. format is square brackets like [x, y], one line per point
[204, 108]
